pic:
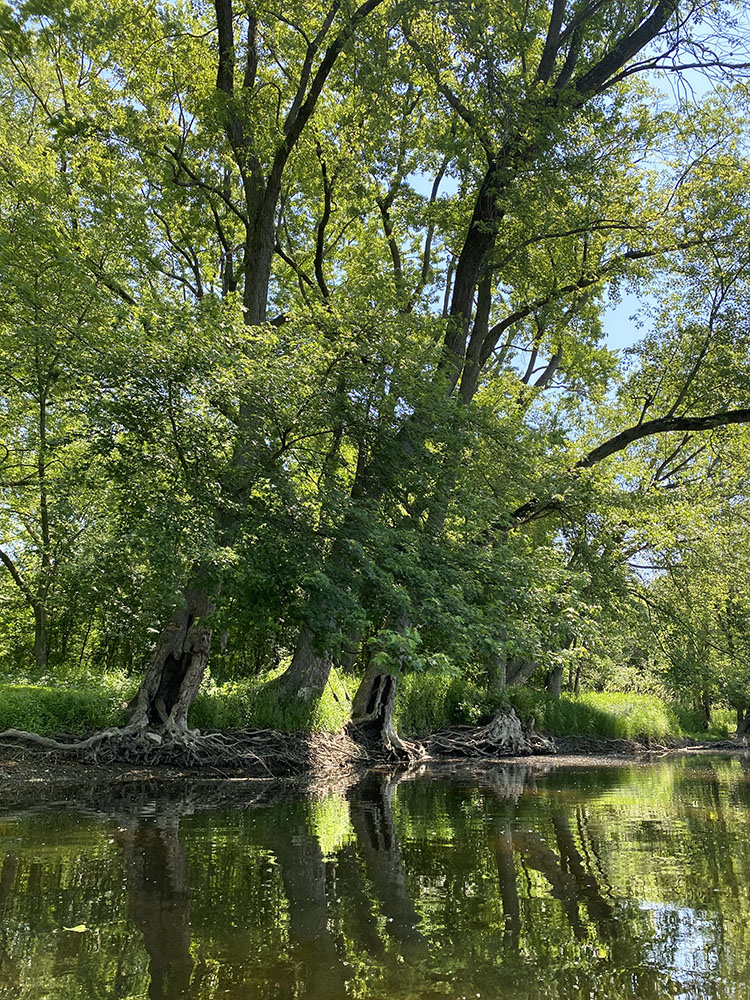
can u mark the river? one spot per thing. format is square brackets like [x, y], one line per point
[516, 882]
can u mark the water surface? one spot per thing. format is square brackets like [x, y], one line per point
[601, 882]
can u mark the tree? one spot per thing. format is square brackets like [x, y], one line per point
[529, 111]
[409, 380]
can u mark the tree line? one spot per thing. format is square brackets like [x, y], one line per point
[302, 347]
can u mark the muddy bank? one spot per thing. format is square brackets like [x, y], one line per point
[311, 762]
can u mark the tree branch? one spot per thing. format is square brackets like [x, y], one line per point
[661, 425]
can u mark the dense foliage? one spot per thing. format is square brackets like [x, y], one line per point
[303, 355]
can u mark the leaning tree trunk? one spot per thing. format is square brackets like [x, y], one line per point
[308, 673]
[177, 666]
[372, 716]
[518, 670]
[743, 720]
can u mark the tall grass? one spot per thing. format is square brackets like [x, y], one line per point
[50, 711]
[614, 715]
[425, 703]
[252, 704]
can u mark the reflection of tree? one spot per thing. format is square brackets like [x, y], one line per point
[7, 880]
[159, 891]
[538, 856]
[372, 818]
[586, 883]
[506, 876]
[303, 874]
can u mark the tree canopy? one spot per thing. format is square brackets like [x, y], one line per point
[303, 351]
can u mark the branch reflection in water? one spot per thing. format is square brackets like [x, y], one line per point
[614, 882]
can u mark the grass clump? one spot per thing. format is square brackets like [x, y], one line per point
[49, 711]
[606, 715]
[428, 702]
[252, 704]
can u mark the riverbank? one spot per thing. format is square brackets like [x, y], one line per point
[311, 762]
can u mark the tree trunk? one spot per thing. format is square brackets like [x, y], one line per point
[704, 707]
[308, 673]
[372, 716]
[41, 648]
[177, 666]
[518, 670]
[743, 720]
[497, 672]
[554, 681]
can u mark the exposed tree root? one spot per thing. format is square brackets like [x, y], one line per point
[504, 736]
[260, 753]
[372, 726]
[267, 753]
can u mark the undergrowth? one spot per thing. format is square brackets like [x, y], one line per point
[425, 703]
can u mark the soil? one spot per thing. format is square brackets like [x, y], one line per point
[30, 775]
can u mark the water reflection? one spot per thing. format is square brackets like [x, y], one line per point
[158, 891]
[613, 883]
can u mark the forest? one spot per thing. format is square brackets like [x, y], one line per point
[305, 369]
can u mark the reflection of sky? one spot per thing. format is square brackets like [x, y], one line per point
[685, 946]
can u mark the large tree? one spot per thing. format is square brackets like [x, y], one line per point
[359, 279]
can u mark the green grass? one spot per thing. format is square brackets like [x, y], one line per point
[428, 702]
[424, 704]
[51, 710]
[252, 704]
[610, 715]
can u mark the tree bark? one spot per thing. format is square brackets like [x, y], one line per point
[307, 674]
[518, 670]
[743, 720]
[41, 647]
[554, 680]
[372, 716]
[177, 666]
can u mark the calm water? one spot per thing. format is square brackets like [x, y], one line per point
[605, 883]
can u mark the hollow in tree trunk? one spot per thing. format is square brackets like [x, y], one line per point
[177, 666]
[372, 716]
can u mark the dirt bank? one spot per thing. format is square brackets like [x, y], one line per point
[314, 762]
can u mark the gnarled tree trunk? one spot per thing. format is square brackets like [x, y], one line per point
[372, 716]
[177, 666]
